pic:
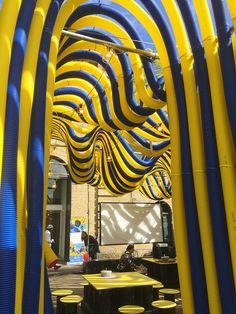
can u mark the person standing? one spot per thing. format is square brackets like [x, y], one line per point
[51, 258]
[48, 235]
[91, 245]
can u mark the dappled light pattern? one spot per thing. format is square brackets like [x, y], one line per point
[123, 223]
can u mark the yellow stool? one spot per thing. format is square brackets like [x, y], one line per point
[85, 284]
[155, 290]
[71, 303]
[164, 306]
[131, 309]
[61, 293]
[169, 294]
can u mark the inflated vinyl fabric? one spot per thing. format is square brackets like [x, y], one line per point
[165, 126]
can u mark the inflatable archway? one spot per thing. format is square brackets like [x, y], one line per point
[165, 126]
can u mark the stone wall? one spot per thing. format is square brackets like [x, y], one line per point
[80, 206]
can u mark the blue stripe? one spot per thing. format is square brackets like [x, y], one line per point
[36, 172]
[196, 259]
[8, 191]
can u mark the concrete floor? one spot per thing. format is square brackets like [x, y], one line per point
[70, 277]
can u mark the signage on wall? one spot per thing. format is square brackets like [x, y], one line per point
[77, 249]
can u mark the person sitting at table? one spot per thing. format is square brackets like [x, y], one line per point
[91, 245]
[126, 262]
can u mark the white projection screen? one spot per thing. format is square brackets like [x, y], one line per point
[123, 223]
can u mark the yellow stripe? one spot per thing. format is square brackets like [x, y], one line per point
[7, 29]
[225, 146]
[197, 153]
[26, 100]
[144, 93]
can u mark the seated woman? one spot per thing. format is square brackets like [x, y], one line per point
[126, 262]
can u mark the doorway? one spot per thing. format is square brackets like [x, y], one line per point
[54, 218]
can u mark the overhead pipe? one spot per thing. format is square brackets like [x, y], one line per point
[141, 52]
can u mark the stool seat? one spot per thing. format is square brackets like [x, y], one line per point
[131, 309]
[158, 286]
[155, 290]
[61, 292]
[169, 294]
[164, 306]
[169, 291]
[71, 299]
[84, 283]
[71, 303]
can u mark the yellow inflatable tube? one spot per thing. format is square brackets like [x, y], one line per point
[50, 256]
[77, 100]
[74, 146]
[224, 140]
[114, 61]
[99, 74]
[7, 29]
[144, 93]
[197, 153]
[178, 204]
[144, 150]
[91, 91]
[26, 101]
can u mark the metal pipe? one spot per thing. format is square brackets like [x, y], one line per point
[58, 145]
[144, 53]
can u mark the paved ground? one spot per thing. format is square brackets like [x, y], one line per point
[70, 277]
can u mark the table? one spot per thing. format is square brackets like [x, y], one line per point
[165, 270]
[107, 294]
[95, 266]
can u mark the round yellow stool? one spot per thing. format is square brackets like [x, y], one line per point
[61, 293]
[131, 309]
[169, 294]
[71, 303]
[155, 290]
[85, 284]
[164, 306]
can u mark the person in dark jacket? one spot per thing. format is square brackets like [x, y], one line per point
[126, 262]
[91, 245]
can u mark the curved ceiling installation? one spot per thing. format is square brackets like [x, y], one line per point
[162, 121]
[110, 105]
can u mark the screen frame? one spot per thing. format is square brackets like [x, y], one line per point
[139, 203]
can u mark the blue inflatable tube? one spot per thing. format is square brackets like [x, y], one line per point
[225, 30]
[36, 172]
[48, 305]
[127, 71]
[8, 191]
[73, 105]
[85, 54]
[196, 258]
[146, 144]
[219, 224]
[116, 162]
[99, 8]
[98, 87]
[78, 92]
[128, 77]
